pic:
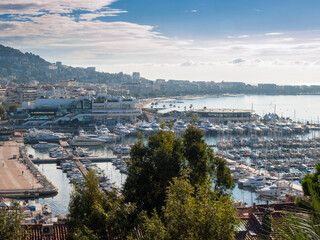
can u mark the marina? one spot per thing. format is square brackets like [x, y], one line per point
[267, 157]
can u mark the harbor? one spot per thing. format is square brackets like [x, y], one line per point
[268, 156]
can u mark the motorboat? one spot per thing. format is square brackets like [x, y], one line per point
[180, 127]
[145, 128]
[119, 149]
[254, 181]
[44, 145]
[80, 152]
[276, 189]
[155, 126]
[209, 127]
[36, 135]
[86, 141]
[121, 130]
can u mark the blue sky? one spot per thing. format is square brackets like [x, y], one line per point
[252, 41]
[218, 18]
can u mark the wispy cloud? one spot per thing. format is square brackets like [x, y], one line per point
[274, 33]
[72, 31]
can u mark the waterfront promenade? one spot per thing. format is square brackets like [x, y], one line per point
[19, 177]
[14, 174]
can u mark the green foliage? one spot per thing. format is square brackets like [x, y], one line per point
[311, 180]
[153, 166]
[96, 215]
[2, 111]
[13, 108]
[195, 119]
[151, 169]
[202, 162]
[192, 213]
[10, 227]
[162, 125]
[304, 224]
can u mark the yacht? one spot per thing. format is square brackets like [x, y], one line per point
[80, 152]
[36, 135]
[118, 149]
[155, 126]
[145, 128]
[86, 141]
[121, 130]
[44, 145]
[102, 134]
[209, 127]
[179, 127]
[254, 181]
[276, 189]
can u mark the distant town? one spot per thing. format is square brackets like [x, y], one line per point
[29, 73]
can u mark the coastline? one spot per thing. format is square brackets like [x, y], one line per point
[148, 101]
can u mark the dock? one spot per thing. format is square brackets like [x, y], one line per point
[19, 177]
[57, 160]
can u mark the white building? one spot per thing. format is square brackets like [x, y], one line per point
[115, 108]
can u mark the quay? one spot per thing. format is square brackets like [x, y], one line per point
[19, 177]
[58, 160]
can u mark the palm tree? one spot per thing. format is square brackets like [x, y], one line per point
[303, 223]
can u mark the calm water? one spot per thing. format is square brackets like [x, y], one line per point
[302, 108]
[298, 108]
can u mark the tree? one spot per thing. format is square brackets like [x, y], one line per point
[151, 169]
[192, 213]
[311, 180]
[10, 226]
[202, 163]
[13, 107]
[304, 223]
[98, 215]
[153, 166]
[2, 111]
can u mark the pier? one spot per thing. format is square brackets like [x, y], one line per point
[57, 160]
[19, 177]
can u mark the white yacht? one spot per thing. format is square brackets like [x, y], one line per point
[44, 145]
[118, 149]
[121, 130]
[254, 181]
[145, 128]
[36, 135]
[155, 126]
[86, 141]
[276, 189]
[180, 127]
[209, 126]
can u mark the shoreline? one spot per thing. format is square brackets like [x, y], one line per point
[148, 101]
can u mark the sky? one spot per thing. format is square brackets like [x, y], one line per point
[252, 41]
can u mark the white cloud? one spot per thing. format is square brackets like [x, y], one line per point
[53, 6]
[243, 36]
[274, 33]
[194, 11]
[114, 45]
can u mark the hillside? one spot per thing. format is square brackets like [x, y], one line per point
[22, 67]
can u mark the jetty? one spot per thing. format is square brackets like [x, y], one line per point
[19, 177]
[58, 160]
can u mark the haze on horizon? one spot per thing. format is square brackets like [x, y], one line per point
[251, 41]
